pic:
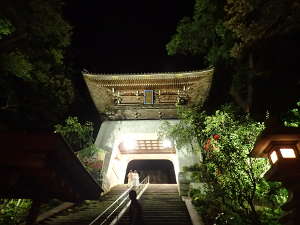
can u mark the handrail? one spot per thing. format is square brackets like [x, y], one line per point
[111, 205]
[117, 205]
[145, 182]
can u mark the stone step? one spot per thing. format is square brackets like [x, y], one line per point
[162, 206]
[84, 213]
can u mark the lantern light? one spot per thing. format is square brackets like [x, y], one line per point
[287, 153]
[282, 153]
[274, 157]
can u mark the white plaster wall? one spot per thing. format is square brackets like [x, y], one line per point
[188, 157]
[112, 133]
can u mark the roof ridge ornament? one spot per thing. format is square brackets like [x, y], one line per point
[85, 72]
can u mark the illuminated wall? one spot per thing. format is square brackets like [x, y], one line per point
[112, 133]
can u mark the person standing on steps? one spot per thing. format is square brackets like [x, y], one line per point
[135, 178]
[130, 178]
[135, 210]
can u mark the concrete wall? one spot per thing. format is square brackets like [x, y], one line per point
[112, 133]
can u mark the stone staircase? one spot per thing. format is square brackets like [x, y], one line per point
[86, 212]
[162, 205]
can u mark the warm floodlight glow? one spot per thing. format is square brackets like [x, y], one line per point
[287, 153]
[129, 144]
[167, 143]
[274, 157]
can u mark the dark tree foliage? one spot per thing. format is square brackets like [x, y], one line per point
[251, 43]
[267, 34]
[79, 136]
[35, 91]
[292, 118]
[204, 34]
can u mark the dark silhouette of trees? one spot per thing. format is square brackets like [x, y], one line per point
[35, 90]
[253, 47]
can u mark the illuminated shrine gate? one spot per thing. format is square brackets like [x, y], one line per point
[136, 106]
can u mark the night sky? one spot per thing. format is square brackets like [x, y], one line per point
[127, 36]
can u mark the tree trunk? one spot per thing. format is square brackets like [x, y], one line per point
[249, 83]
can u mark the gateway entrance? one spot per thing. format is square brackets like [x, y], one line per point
[136, 105]
[159, 171]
